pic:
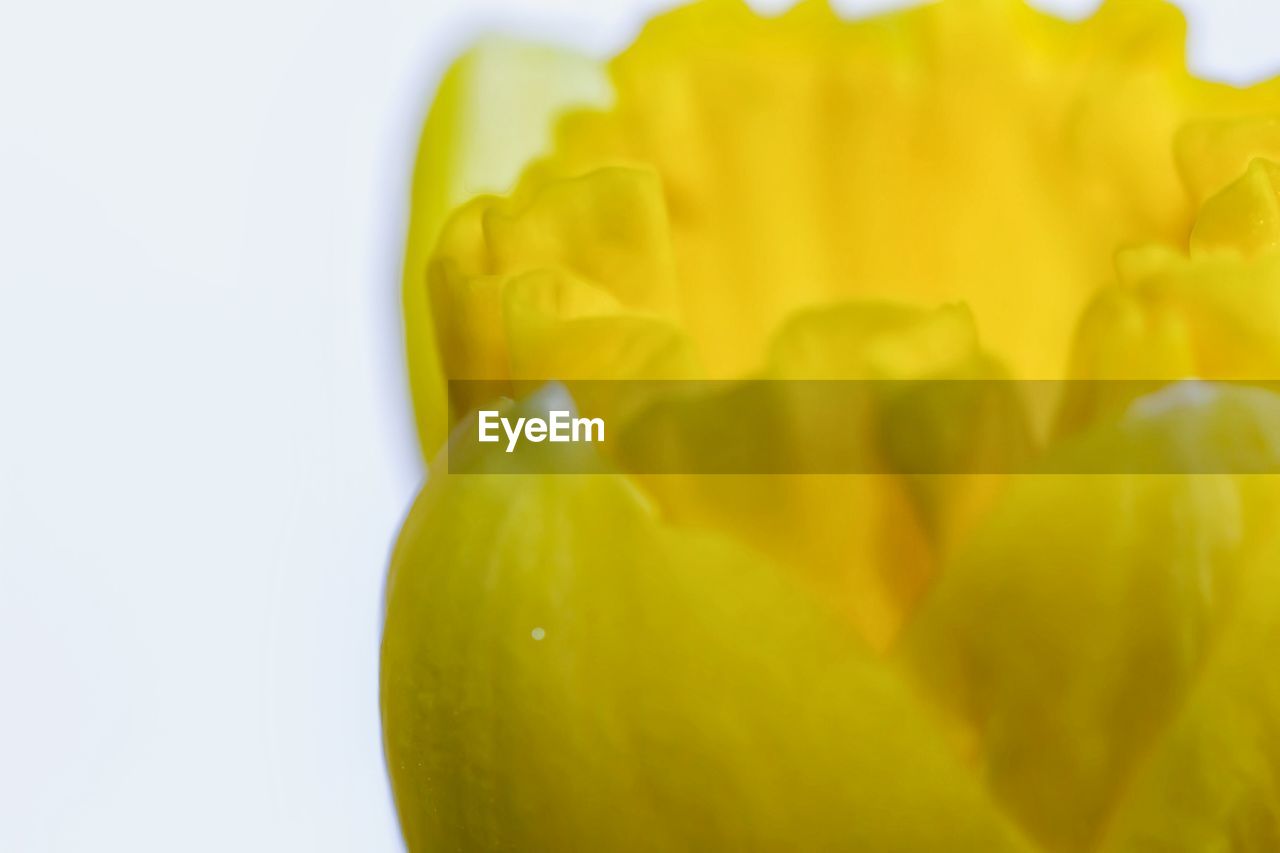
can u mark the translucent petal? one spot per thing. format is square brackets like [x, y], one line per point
[493, 112]
[1088, 611]
[871, 543]
[563, 672]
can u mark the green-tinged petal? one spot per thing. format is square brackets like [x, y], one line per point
[1081, 618]
[562, 672]
[493, 112]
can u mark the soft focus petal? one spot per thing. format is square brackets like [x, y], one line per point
[572, 280]
[492, 113]
[870, 543]
[1212, 779]
[562, 672]
[1213, 153]
[963, 151]
[976, 152]
[1212, 311]
[1244, 217]
[1089, 610]
[885, 662]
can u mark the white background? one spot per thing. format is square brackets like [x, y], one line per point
[205, 442]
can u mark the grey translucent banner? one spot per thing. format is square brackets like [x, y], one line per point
[908, 427]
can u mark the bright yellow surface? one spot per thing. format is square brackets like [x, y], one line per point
[882, 663]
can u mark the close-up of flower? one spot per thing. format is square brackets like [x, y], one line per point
[631, 426]
[1071, 658]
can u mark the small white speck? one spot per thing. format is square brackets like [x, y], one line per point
[537, 633]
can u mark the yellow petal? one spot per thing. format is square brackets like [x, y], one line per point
[1212, 154]
[1215, 315]
[1083, 615]
[1244, 217]
[976, 152]
[562, 672]
[610, 663]
[965, 151]
[1212, 779]
[492, 113]
[572, 280]
[1210, 311]
[870, 543]
[552, 330]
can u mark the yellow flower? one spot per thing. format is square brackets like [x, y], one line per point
[885, 662]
